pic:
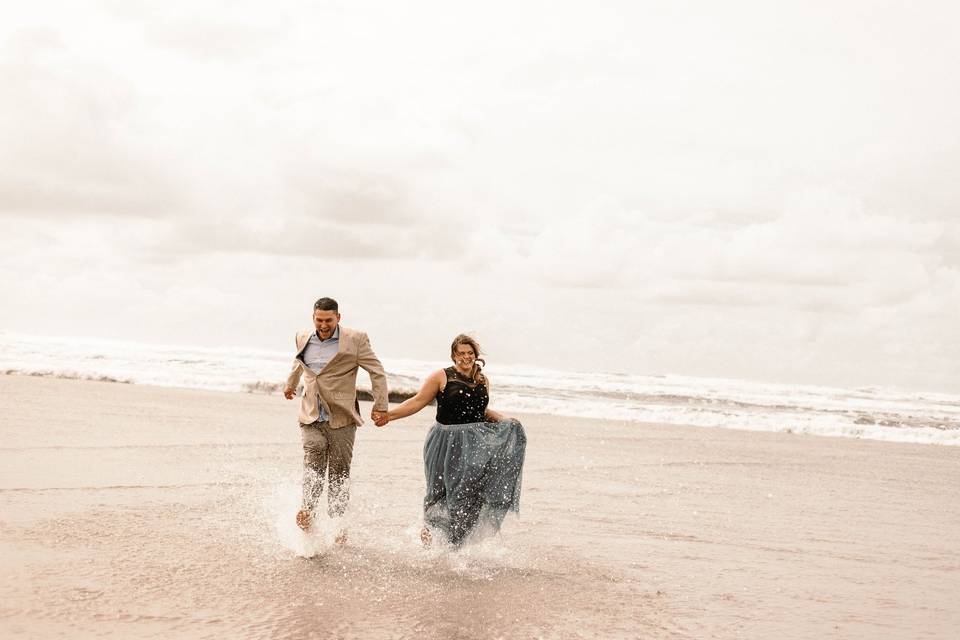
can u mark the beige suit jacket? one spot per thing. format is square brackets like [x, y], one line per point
[336, 384]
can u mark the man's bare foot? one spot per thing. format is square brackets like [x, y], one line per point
[425, 538]
[341, 538]
[303, 519]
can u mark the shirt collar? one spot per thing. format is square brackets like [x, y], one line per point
[335, 336]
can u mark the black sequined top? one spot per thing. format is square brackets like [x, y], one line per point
[462, 401]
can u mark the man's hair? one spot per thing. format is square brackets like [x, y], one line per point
[326, 304]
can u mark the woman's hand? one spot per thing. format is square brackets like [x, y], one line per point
[494, 416]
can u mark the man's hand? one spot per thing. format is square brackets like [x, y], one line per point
[288, 394]
[379, 418]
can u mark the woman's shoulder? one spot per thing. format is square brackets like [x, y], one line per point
[434, 382]
[439, 375]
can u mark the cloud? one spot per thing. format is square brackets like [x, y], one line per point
[335, 194]
[213, 39]
[721, 189]
[822, 252]
[65, 137]
[293, 236]
[212, 30]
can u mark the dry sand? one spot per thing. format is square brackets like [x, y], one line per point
[136, 512]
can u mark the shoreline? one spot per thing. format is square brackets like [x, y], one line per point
[863, 432]
[264, 388]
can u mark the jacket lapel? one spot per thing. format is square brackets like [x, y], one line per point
[302, 339]
[343, 336]
[342, 343]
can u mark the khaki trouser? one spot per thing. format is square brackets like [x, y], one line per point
[327, 449]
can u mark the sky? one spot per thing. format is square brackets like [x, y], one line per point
[749, 189]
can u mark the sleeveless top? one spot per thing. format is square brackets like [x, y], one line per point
[462, 401]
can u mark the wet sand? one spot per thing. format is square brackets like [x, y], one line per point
[140, 512]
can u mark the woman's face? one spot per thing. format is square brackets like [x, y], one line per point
[464, 356]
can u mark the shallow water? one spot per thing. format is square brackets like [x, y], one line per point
[187, 530]
[227, 560]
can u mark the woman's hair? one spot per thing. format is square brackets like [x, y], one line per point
[478, 362]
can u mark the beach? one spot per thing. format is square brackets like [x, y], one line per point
[134, 511]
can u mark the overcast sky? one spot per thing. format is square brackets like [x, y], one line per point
[765, 190]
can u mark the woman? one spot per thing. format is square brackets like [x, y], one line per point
[473, 456]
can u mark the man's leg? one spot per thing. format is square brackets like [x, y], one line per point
[340, 455]
[315, 447]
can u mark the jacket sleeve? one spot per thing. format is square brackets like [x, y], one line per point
[294, 378]
[369, 362]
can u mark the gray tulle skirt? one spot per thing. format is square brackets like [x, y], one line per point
[473, 474]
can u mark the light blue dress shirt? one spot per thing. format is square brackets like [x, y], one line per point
[317, 354]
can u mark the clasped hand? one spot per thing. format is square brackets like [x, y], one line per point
[379, 418]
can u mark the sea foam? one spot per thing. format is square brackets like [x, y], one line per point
[872, 413]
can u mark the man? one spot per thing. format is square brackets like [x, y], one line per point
[327, 359]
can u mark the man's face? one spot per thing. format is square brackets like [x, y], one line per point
[325, 322]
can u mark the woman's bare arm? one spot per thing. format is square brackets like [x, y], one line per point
[490, 415]
[428, 391]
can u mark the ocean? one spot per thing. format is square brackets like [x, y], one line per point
[874, 413]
